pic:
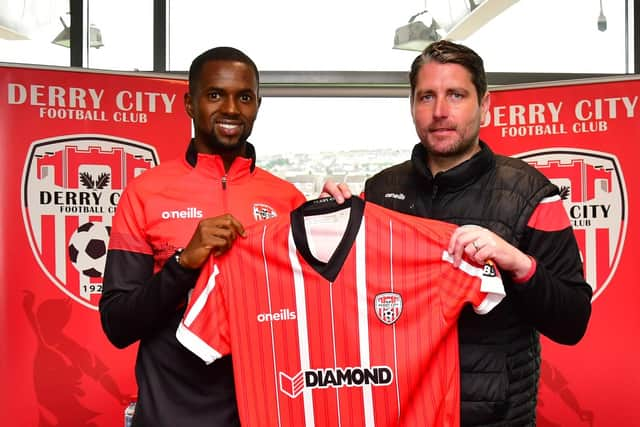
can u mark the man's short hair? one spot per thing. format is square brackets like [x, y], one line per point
[448, 52]
[221, 53]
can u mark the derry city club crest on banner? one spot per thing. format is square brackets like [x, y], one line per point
[595, 196]
[70, 188]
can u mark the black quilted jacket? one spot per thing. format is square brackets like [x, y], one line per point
[500, 351]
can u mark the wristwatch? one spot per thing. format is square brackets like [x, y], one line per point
[177, 255]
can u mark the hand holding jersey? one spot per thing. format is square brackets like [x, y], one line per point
[213, 236]
[481, 244]
[339, 191]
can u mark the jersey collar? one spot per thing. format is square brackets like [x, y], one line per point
[329, 270]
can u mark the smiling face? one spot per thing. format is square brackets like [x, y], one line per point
[223, 106]
[447, 114]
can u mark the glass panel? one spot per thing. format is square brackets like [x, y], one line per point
[306, 140]
[338, 35]
[556, 36]
[332, 35]
[121, 34]
[28, 28]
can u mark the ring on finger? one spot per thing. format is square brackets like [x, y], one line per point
[475, 245]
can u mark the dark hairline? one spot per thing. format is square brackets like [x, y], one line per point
[221, 53]
[447, 52]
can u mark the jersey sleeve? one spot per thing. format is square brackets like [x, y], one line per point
[480, 285]
[127, 232]
[136, 296]
[204, 328]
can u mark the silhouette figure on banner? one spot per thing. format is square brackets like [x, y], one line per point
[558, 384]
[60, 364]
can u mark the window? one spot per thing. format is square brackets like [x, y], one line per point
[333, 35]
[306, 140]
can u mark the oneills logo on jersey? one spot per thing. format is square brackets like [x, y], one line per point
[262, 211]
[388, 307]
[399, 196]
[334, 377]
[595, 196]
[70, 188]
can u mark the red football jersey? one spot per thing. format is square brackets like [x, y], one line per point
[340, 316]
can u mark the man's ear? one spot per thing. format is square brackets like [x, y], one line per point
[413, 117]
[188, 107]
[484, 106]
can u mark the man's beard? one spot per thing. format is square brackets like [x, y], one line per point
[459, 148]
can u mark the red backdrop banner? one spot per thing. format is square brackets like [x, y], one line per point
[584, 137]
[71, 141]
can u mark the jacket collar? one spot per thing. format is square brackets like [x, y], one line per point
[459, 176]
[192, 155]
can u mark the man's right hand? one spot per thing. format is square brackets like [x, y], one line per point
[212, 236]
[340, 192]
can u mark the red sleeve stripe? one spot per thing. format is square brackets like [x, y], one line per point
[126, 242]
[549, 215]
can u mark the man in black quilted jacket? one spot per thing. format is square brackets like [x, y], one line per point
[508, 212]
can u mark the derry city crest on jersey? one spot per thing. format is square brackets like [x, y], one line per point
[70, 188]
[388, 307]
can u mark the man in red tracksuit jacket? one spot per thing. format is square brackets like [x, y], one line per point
[168, 221]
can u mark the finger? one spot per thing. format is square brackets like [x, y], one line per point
[476, 251]
[458, 238]
[224, 235]
[339, 192]
[221, 246]
[330, 189]
[465, 240]
[224, 224]
[345, 190]
[236, 226]
[475, 247]
[459, 249]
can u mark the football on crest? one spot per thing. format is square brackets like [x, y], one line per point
[88, 248]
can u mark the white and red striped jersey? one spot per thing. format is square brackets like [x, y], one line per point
[339, 316]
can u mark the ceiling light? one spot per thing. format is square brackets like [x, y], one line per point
[11, 34]
[453, 20]
[602, 20]
[416, 35]
[95, 37]
[64, 38]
